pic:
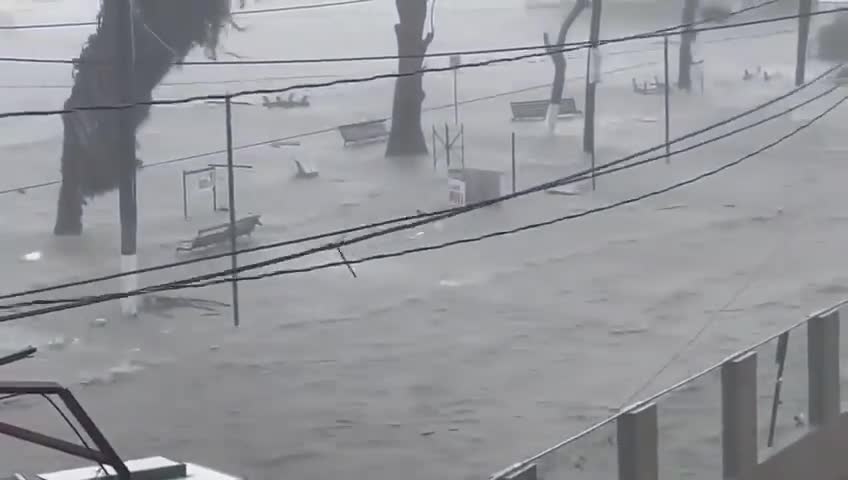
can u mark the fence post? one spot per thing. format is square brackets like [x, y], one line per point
[526, 473]
[823, 368]
[638, 436]
[739, 416]
[434, 148]
[185, 198]
[513, 162]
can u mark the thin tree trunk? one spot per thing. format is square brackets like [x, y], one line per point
[407, 136]
[558, 58]
[684, 75]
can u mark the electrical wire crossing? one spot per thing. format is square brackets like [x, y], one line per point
[540, 49]
[356, 80]
[440, 214]
[50, 26]
[210, 279]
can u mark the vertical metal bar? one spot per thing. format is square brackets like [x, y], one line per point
[594, 176]
[739, 416]
[780, 359]
[667, 93]
[591, 86]
[185, 198]
[462, 145]
[455, 97]
[513, 162]
[232, 200]
[447, 145]
[124, 75]
[804, 9]
[434, 148]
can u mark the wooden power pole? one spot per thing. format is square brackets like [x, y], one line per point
[591, 82]
[124, 75]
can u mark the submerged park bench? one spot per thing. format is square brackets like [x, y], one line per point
[290, 102]
[219, 234]
[538, 109]
[654, 88]
[364, 132]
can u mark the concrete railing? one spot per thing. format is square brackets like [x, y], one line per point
[769, 412]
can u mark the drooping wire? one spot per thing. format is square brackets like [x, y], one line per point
[356, 80]
[50, 26]
[192, 283]
[430, 216]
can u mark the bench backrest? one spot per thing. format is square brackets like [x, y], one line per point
[567, 105]
[531, 109]
[243, 225]
[363, 131]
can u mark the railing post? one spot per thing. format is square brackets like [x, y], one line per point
[638, 437]
[823, 368]
[526, 473]
[739, 416]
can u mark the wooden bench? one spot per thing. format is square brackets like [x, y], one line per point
[219, 234]
[364, 132]
[538, 109]
[305, 170]
[654, 88]
[291, 102]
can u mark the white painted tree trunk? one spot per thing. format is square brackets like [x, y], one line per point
[551, 118]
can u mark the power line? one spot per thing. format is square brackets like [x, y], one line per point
[177, 84]
[301, 77]
[698, 333]
[210, 279]
[46, 26]
[297, 136]
[568, 46]
[661, 31]
[356, 80]
[446, 213]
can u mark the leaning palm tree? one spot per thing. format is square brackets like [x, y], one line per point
[164, 32]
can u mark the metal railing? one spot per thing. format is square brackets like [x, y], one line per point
[631, 443]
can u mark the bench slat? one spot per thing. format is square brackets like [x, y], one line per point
[362, 131]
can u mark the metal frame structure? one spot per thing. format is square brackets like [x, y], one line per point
[104, 454]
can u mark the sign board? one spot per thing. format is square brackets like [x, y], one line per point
[456, 192]
[455, 60]
[206, 181]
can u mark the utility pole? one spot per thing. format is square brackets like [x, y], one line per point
[125, 146]
[591, 83]
[804, 9]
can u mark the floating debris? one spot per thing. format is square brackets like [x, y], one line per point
[32, 257]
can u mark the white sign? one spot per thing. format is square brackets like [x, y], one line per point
[456, 192]
[205, 181]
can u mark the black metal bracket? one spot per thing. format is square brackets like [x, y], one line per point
[104, 454]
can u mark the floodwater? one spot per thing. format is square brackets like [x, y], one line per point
[448, 364]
